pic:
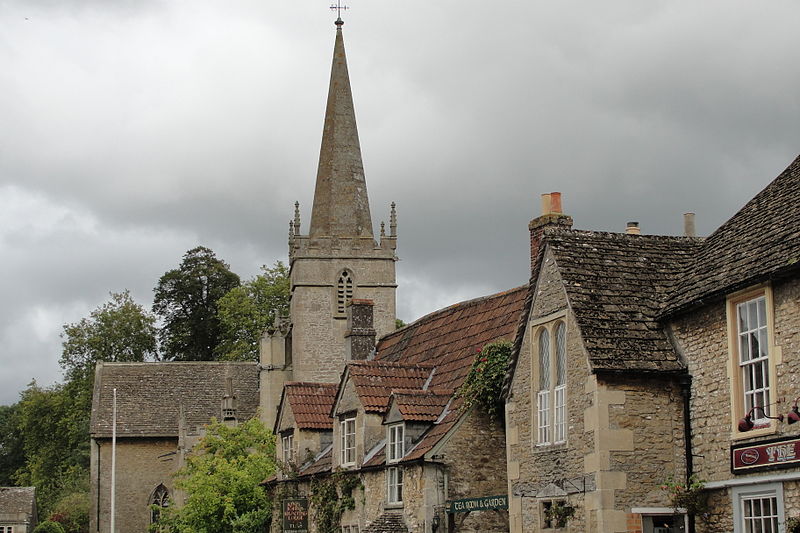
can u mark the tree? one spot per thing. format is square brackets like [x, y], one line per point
[119, 330]
[186, 299]
[221, 479]
[12, 453]
[245, 312]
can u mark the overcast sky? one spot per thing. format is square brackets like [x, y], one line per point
[134, 130]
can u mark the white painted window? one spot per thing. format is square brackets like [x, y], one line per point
[394, 485]
[753, 347]
[287, 444]
[758, 509]
[551, 378]
[396, 443]
[350, 529]
[6, 529]
[347, 442]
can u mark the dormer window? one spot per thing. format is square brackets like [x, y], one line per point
[347, 441]
[287, 445]
[395, 449]
[344, 291]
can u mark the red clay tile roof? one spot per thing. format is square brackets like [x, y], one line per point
[422, 406]
[450, 338]
[375, 380]
[311, 403]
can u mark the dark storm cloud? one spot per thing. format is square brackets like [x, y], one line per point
[134, 131]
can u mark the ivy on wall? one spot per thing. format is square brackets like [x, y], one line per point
[331, 496]
[482, 387]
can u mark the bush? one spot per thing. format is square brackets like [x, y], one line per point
[49, 527]
[485, 380]
[72, 512]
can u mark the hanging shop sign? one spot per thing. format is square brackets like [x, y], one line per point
[766, 455]
[487, 503]
[295, 515]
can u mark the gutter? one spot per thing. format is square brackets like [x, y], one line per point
[685, 381]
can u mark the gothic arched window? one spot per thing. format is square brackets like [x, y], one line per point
[344, 291]
[159, 500]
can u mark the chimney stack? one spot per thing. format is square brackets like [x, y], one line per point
[633, 228]
[551, 216]
[360, 335]
[688, 225]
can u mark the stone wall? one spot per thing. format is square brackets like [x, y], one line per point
[142, 465]
[702, 336]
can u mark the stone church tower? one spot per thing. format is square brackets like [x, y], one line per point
[338, 260]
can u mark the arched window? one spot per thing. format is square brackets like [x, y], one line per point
[551, 346]
[544, 386]
[344, 291]
[159, 500]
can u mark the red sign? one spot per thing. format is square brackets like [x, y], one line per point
[783, 453]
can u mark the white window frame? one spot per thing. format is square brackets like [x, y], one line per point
[347, 441]
[741, 495]
[287, 444]
[762, 388]
[396, 446]
[550, 412]
[394, 485]
[353, 528]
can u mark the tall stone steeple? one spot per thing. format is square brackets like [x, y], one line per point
[339, 260]
[341, 206]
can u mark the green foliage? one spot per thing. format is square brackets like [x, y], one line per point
[12, 452]
[331, 496]
[49, 527]
[119, 330]
[692, 496]
[54, 425]
[399, 323]
[186, 299]
[793, 524]
[72, 512]
[221, 480]
[245, 312]
[559, 513]
[485, 380]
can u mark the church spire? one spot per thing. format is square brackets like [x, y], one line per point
[341, 205]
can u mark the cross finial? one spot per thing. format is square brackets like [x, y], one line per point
[338, 7]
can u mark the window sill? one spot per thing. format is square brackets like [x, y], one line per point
[398, 505]
[764, 431]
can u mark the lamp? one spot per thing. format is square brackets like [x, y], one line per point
[794, 414]
[746, 423]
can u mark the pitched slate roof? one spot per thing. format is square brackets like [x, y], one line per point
[17, 500]
[375, 380]
[421, 405]
[387, 523]
[150, 395]
[311, 403]
[760, 242]
[437, 432]
[616, 284]
[450, 338]
[323, 463]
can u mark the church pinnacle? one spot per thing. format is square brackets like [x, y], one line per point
[341, 205]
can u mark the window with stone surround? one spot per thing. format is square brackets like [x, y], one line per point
[6, 529]
[752, 362]
[347, 441]
[394, 485]
[158, 500]
[395, 448]
[758, 508]
[344, 291]
[287, 446]
[350, 529]
[550, 377]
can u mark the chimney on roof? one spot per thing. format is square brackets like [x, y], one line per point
[633, 228]
[551, 216]
[688, 225]
[360, 335]
[229, 404]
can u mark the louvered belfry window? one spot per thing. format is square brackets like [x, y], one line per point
[344, 291]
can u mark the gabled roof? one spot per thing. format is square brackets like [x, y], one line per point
[17, 500]
[760, 242]
[616, 285]
[450, 338]
[150, 395]
[374, 381]
[437, 432]
[389, 522]
[420, 405]
[310, 403]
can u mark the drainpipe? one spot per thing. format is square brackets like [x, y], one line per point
[685, 381]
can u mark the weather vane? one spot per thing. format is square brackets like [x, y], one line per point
[338, 8]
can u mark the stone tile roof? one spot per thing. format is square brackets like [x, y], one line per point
[387, 523]
[17, 500]
[150, 395]
[375, 380]
[323, 463]
[760, 242]
[421, 405]
[311, 403]
[436, 433]
[616, 285]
